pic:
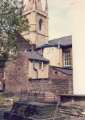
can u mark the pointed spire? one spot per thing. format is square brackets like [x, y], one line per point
[46, 6]
[38, 4]
[34, 5]
[28, 5]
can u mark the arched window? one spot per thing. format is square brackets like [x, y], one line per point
[40, 24]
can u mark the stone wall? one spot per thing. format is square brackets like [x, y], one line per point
[63, 82]
[43, 89]
[41, 69]
[54, 55]
[58, 83]
[1, 79]
[16, 77]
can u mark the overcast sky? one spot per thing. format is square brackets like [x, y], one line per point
[59, 20]
[66, 16]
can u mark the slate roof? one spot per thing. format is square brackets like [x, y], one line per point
[67, 71]
[33, 55]
[62, 42]
[22, 43]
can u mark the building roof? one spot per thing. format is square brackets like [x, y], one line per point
[67, 71]
[59, 42]
[39, 79]
[22, 43]
[64, 41]
[33, 55]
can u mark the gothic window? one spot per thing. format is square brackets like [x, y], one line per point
[40, 24]
[67, 59]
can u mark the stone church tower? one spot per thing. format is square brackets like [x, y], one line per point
[38, 21]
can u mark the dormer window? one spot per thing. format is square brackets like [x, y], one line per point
[40, 24]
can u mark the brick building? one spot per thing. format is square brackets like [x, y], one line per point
[41, 66]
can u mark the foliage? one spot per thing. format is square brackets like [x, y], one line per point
[11, 21]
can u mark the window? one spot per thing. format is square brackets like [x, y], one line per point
[67, 59]
[40, 24]
[40, 65]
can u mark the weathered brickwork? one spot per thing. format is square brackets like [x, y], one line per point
[16, 77]
[63, 82]
[59, 81]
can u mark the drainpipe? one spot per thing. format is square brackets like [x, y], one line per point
[59, 53]
[35, 69]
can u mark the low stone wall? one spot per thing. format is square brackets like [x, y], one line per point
[63, 82]
[73, 99]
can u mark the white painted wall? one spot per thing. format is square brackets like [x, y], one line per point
[78, 32]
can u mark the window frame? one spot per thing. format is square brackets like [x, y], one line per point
[67, 59]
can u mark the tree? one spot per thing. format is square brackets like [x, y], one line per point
[11, 21]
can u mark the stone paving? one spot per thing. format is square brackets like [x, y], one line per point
[2, 110]
[64, 116]
[1, 113]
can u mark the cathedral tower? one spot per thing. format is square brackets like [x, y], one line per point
[38, 21]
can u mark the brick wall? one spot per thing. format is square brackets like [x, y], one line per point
[62, 82]
[16, 77]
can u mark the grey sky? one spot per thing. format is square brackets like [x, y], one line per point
[59, 20]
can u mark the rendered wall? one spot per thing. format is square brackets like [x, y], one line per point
[78, 32]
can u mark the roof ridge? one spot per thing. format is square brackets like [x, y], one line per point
[61, 37]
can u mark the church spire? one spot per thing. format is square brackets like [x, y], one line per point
[34, 5]
[46, 6]
[38, 21]
[38, 4]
